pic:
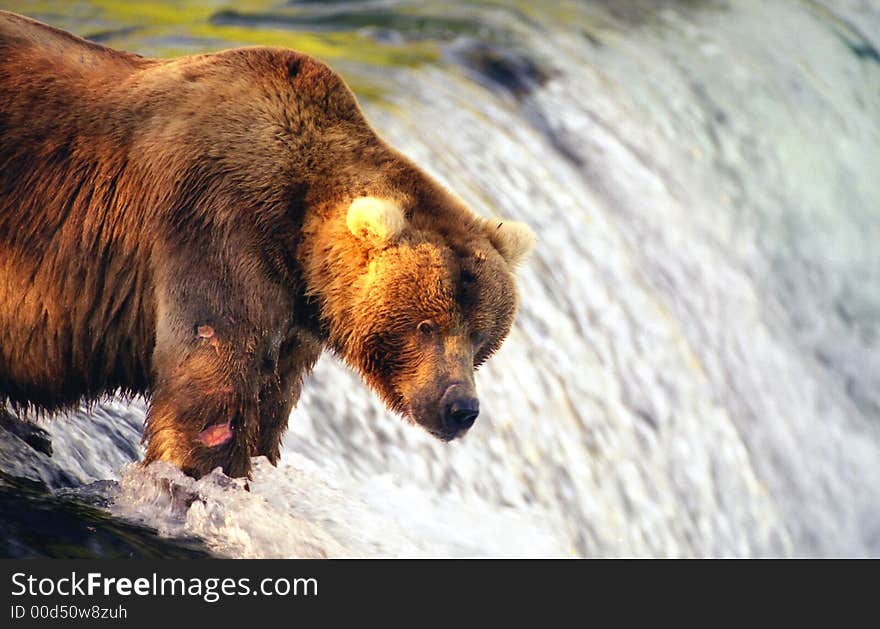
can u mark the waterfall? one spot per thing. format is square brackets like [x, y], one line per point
[694, 370]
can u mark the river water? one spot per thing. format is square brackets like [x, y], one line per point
[695, 367]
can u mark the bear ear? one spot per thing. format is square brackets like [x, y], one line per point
[513, 240]
[376, 221]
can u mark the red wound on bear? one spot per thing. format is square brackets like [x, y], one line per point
[216, 435]
[207, 332]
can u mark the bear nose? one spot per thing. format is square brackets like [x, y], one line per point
[461, 414]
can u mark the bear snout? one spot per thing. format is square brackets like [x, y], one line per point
[460, 410]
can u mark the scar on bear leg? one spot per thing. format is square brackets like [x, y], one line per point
[215, 435]
[207, 332]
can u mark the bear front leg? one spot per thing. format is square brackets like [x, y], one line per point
[204, 409]
[280, 392]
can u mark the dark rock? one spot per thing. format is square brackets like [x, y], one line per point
[499, 67]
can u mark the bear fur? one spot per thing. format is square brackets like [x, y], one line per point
[198, 230]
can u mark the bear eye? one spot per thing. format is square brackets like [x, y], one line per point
[427, 327]
[478, 339]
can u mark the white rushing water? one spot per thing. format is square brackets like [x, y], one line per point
[694, 370]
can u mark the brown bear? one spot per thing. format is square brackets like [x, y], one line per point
[198, 229]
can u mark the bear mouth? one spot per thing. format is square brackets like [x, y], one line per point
[443, 436]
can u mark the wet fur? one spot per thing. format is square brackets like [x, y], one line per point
[143, 199]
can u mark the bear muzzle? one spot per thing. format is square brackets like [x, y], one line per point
[460, 408]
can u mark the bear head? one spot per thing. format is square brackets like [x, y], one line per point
[433, 297]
